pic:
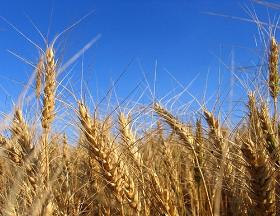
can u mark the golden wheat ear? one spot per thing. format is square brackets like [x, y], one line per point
[262, 179]
[273, 81]
[189, 140]
[39, 75]
[22, 132]
[114, 169]
[273, 69]
[48, 110]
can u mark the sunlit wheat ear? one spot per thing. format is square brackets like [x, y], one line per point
[39, 76]
[85, 117]
[215, 132]
[49, 90]
[222, 152]
[163, 199]
[254, 123]
[48, 109]
[114, 170]
[185, 135]
[129, 139]
[100, 151]
[213, 124]
[131, 192]
[273, 82]
[273, 69]
[125, 130]
[20, 144]
[21, 132]
[252, 108]
[3, 141]
[48, 209]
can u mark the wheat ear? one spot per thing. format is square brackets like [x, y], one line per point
[184, 134]
[39, 75]
[114, 169]
[262, 180]
[273, 72]
[49, 90]
[48, 110]
[21, 131]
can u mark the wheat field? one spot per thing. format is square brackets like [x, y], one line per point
[175, 167]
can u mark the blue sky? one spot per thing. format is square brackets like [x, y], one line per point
[175, 35]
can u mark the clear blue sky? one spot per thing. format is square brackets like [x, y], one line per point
[175, 33]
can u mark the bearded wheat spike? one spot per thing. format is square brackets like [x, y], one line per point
[216, 134]
[39, 76]
[213, 124]
[273, 69]
[163, 199]
[21, 132]
[274, 78]
[223, 150]
[252, 108]
[262, 180]
[113, 168]
[255, 130]
[269, 133]
[125, 130]
[49, 90]
[48, 110]
[129, 139]
[22, 137]
[187, 137]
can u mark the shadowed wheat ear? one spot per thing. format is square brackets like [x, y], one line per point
[273, 72]
[269, 133]
[254, 121]
[199, 149]
[262, 179]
